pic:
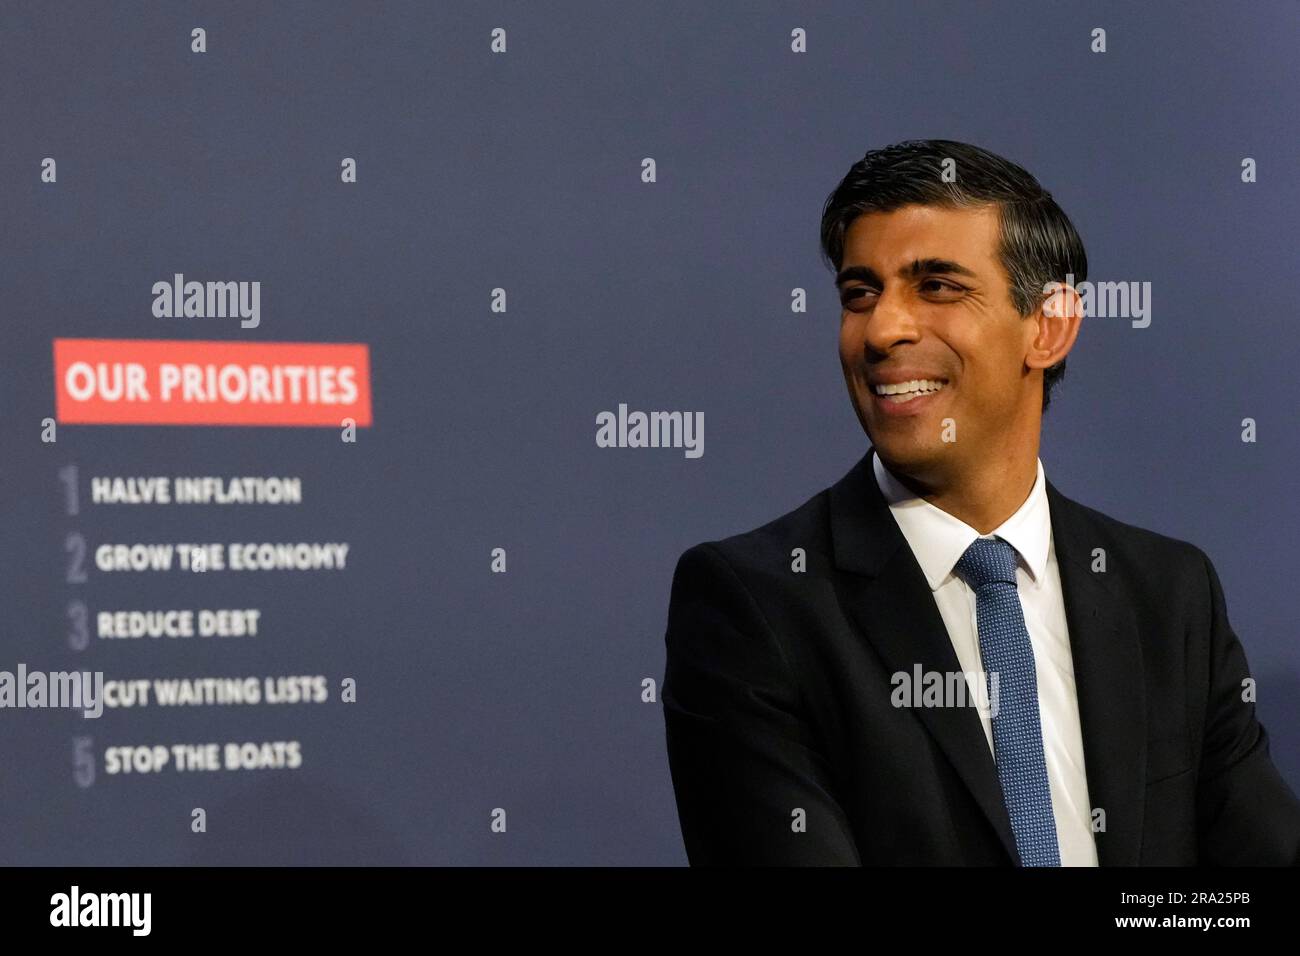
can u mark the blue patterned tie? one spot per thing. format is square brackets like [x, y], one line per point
[989, 566]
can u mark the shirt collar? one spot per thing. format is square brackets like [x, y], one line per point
[939, 539]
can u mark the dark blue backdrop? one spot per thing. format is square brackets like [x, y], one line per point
[521, 170]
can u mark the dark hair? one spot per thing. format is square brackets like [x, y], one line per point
[1039, 243]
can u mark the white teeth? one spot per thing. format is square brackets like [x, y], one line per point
[918, 386]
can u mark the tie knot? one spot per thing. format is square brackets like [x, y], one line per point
[988, 561]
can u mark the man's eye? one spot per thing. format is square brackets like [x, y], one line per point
[860, 294]
[941, 286]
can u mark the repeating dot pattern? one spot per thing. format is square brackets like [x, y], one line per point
[989, 567]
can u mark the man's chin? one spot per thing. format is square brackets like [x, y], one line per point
[906, 454]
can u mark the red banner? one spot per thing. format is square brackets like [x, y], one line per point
[187, 382]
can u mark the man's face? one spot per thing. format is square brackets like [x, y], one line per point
[925, 303]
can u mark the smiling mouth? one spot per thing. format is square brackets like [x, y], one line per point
[900, 393]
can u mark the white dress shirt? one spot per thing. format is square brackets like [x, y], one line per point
[938, 540]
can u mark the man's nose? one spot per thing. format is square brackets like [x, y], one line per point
[891, 323]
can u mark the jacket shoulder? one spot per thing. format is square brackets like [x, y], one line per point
[1150, 548]
[770, 545]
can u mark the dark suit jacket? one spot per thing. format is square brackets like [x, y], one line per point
[777, 695]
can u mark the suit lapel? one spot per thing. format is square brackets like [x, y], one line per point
[885, 593]
[1108, 678]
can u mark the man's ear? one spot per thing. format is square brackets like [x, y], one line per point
[1058, 319]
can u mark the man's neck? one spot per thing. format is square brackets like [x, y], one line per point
[987, 496]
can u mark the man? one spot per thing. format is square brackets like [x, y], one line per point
[1110, 719]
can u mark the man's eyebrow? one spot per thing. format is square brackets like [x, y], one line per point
[859, 273]
[913, 270]
[923, 267]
